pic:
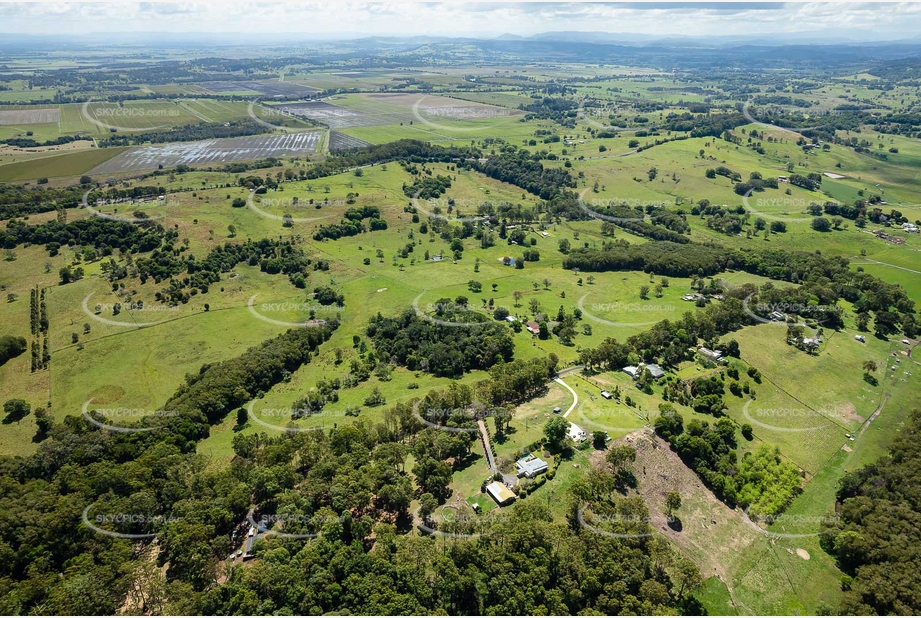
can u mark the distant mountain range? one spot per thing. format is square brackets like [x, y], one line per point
[624, 38]
[758, 51]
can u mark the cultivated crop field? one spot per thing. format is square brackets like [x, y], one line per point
[264, 88]
[29, 116]
[211, 151]
[338, 117]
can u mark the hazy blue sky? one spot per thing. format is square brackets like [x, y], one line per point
[858, 21]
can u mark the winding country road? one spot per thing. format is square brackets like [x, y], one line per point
[575, 397]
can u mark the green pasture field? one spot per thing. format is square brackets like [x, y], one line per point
[511, 99]
[714, 596]
[97, 117]
[453, 131]
[57, 165]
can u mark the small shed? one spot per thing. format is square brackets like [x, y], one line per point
[500, 493]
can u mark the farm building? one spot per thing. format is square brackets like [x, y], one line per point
[635, 372]
[860, 338]
[576, 433]
[778, 316]
[510, 319]
[530, 466]
[810, 344]
[606, 394]
[557, 410]
[714, 355]
[500, 493]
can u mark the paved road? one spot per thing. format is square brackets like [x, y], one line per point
[486, 446]
[575, 397]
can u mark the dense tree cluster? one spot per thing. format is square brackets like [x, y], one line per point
[661, 258]
[427, 187]
[28, 142]
[218, 388]
[19, 200]
[559, 109]
[146, 475]
[349, 485]
[441, 349]
[11, 347]
[528, 566]
[350, 226]
[272, 257]
[669, 342]
[121, 193]
[104, 235]
[876, 533]
[408, 150]
[520, 168]
[517, 381]
[825, 279]
[706, 125]
[761, 481]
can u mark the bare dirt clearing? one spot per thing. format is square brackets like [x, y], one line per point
[710, 533]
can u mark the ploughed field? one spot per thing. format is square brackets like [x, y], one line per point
[29, 116]
[210, 151]
[338, 117]
[269, 88]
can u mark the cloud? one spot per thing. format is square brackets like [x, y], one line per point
[328, 20]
